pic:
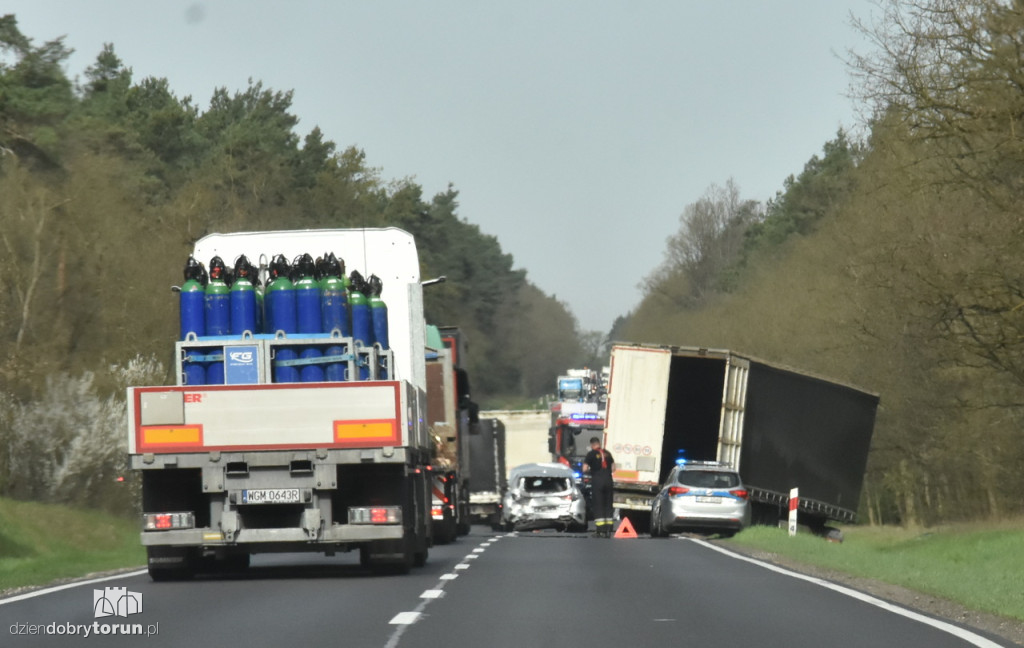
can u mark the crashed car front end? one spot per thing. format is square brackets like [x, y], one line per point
[544, 502]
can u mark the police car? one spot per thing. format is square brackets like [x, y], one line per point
[700, 496]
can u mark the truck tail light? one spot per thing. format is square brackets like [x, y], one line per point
[437, 513]
[168, 521]
[673, 491]
[375, 515]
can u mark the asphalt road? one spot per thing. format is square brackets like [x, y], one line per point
[488, 590]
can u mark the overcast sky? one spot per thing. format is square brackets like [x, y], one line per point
[576, 131]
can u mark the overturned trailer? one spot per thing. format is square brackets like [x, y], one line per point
[781, 428]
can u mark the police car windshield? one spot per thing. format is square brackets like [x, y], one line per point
[708, 478]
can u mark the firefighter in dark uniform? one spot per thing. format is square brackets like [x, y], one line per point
[599, 463]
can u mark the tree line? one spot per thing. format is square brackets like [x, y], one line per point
[894, 261]
[106, 182]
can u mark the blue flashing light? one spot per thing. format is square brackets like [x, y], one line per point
[681, 461]
[585, 416]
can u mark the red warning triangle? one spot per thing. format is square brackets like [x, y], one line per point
[626, 529]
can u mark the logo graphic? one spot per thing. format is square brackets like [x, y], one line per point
[242, 365]
[115, 601]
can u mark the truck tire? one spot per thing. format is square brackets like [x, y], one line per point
[419, 558]
[400, 562]
[444, 532]
[171, 563]
[495, 521]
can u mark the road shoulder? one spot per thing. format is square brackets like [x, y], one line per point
[1003, 627]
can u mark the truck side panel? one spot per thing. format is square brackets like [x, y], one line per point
[487, 457]
[808, 433]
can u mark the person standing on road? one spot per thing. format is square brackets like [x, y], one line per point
[599, 463]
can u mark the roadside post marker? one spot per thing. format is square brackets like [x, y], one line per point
[794, 503]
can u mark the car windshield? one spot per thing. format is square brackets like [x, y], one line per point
[708, 478]
[536, 485]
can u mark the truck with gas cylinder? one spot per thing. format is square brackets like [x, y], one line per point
[297, 421]
[451, 415]
[779, 427]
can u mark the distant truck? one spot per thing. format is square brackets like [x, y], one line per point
[779, 427]
[488, 480]
[583, 386]
[243, 455]
[577, 415]
[451, 415]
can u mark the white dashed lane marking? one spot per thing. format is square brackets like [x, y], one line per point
[404, 619]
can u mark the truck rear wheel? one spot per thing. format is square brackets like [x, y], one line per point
[171, 563]
[419, 558]
[384, 561]
[444, 531]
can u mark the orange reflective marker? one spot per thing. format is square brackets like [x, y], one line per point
[626, 529]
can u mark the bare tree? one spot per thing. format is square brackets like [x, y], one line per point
[951, 74]
[709, 241]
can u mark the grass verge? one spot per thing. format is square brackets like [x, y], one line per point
[978, 566]
[41, 543]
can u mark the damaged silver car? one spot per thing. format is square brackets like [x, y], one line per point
[544, 496]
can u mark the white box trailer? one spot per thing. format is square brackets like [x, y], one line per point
[780, 427]
[255, 465]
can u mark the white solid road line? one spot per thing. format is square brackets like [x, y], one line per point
[956, 631]
[57, 588]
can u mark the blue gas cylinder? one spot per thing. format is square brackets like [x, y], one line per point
[311, 372]
[192, 305]
[279, 299]
[217, 300]
[215, 369]
[307, 297]
[334, 310]
[378, 312]
[362, 324]
[285, 374]
[191, 300]
[335, 371]
[243, 298]
[333, 297]
[193, 368]
[260, 317]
